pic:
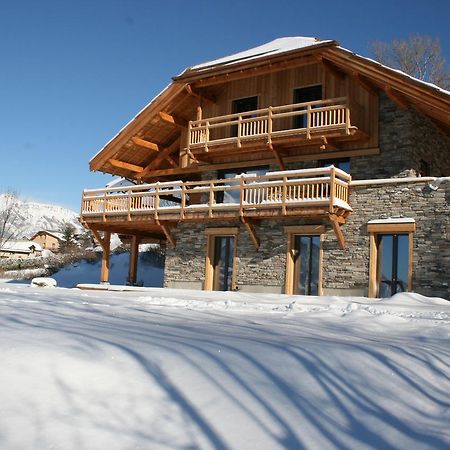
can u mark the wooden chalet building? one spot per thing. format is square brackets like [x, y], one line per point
[295, 167]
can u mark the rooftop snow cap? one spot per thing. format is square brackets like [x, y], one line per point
[280, 45]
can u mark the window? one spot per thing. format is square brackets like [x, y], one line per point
[390, 269]
[340, 163]
[242, 105]
[232, 174]
[304, 260]
[424, 169]
[220, 271]
[303, 95]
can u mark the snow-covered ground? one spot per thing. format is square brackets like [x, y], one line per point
[89, 272]
[166, 369]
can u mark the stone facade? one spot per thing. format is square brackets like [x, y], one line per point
[405, 138]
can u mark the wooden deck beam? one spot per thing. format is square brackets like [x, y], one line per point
[277, 155]
[337, 230]
[125, 165]
[200, 95]
[173, 120]
[164, 154]
[251, 231]
[166, 230]
[146, 144]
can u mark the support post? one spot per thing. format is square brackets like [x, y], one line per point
[133, 265]
[106, 246]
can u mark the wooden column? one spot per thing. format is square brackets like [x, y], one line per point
[133, 265]
[106, 245]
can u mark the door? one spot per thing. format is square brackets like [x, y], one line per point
[303, 95]
[223, 263]
[242, 105]
[306, 264]
[392, 264]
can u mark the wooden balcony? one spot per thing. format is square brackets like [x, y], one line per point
[276, 125]
[306, 193]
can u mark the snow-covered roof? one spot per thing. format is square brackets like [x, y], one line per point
[21, 246]
[56, 234]
[280, 45]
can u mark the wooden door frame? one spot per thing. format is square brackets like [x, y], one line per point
[211, 234]
[306, 230]
[374, 229]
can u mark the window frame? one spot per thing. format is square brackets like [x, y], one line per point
[374, 229]
[306, 230]
[211, 234]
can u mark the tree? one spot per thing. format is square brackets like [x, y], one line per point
[9, 216]
[68, 243]
[418, 56]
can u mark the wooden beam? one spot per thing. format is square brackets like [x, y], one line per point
[365, 83]
[333, 68]
[327, 145]
[396, 97]
[200, 95]
[251, 231]
[277, 156]
[146, 144]
[337, 230]
[125, 165]
[159, 159]
[166, 230]
[173, 120]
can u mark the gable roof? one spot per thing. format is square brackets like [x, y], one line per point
[272, 56]
[277, 46]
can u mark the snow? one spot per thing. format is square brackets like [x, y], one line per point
[24, 246]
[33, 216]
[280, 45]
[184, 369]
[89, 272]
[392, 220]
[44, 282]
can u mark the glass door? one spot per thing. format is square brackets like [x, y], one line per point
[223, 263]
[306, 264]
[392, 264]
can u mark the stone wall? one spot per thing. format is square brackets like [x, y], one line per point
[405, 137]
[345, 272]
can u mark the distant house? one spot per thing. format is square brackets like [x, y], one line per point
[20, 249]
[48, 240]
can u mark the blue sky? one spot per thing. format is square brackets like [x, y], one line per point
[74, 72]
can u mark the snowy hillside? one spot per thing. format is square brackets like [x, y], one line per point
[172, 369]
[33, 216]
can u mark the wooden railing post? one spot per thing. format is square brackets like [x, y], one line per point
[157, 201]
[183, 200]
[308, 122]
[347, 120]
[241, 196]
[239, 132]
[269, 125]
[332, 187]
[189, 139]
[211, 198]
[283, 197]
[129, 204]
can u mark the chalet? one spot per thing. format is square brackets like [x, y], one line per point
[48, 240]
[20, 249]
[295, 167]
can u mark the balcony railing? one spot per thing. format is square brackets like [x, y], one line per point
[305, 119]
[276, 193]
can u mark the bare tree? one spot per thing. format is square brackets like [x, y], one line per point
[9, 203]
[418, 56]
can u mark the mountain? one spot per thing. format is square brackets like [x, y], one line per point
[33, 216]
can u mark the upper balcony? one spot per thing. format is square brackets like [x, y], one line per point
[295, 124]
